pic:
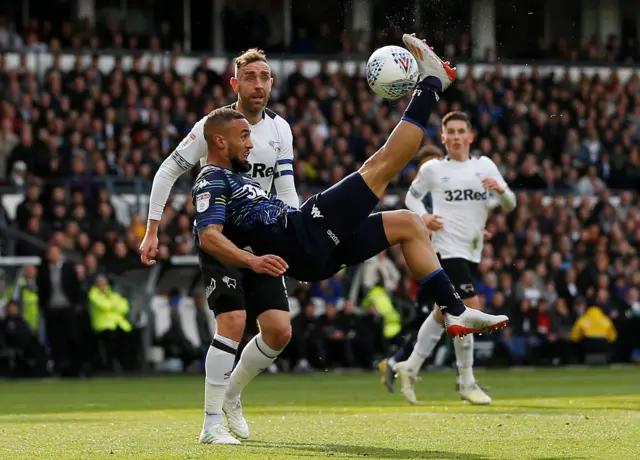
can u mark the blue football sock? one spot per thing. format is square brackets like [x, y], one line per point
[441, 291]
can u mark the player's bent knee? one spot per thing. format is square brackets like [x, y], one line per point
[231, 324]
[277, 337]
[275, 327]
[403, 225]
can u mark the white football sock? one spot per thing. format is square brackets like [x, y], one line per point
[218, 366]
[255, 358]
[428, 337]
[464, 359]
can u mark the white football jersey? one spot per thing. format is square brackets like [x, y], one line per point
[461, 200]
[271, 156]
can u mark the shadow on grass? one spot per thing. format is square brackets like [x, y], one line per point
[351, 451]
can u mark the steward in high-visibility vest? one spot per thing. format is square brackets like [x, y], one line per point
[382, 303]
[108, 309]
[27, 297]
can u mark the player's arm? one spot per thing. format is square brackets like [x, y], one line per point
[215, 243]
[284, 183]
[211, 212]
[421, 185]
[495, 182]
[417, 191]
[183, 159]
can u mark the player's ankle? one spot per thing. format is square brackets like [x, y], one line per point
[443, 293]
[430, 82]
[211, 419]
[422, 104]
[465, 376]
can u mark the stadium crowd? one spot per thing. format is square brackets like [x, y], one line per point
[316, 36]
[570, 149]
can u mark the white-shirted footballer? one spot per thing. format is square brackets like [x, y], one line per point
[460, 198]
[271, 161]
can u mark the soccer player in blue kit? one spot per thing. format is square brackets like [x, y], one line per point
[244, 228]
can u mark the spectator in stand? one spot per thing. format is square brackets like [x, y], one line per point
[594, 333]
[63, 305]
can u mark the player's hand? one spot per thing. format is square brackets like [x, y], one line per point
[487, 235]
[269, 265]
[491, 184]
[149, 249]
[434, 222]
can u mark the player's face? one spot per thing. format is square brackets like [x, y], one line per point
[239, 145]
[457, 137]
[253, 85]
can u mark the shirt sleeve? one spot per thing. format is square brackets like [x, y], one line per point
[284, 181]
[419, 188]
[184, 157]
[211, 200]
[508, 198]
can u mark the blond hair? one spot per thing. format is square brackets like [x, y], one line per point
[248, 57]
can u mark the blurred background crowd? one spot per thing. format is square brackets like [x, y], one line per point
[75, 140]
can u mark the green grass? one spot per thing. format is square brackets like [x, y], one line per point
[537, 414]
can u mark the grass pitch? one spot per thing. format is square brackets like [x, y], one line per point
[537, 414]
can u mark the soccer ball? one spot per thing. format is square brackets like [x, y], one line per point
[392, 71]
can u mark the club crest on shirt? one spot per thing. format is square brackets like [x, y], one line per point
[275, 145]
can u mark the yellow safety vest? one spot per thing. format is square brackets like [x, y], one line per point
[381, 301]
[29, 301]
[108, 310]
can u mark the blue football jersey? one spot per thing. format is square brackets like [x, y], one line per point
[236, 201]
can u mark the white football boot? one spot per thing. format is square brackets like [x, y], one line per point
[408, 379]
[473, 321]
[429, 63]
[232, 408]
[474, 394]
[217, 434]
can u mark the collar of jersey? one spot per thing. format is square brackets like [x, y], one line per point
[222, 167]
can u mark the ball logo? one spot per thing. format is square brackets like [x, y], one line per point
[404, 61]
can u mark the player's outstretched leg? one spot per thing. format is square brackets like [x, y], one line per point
[218, 367]
[409, 231]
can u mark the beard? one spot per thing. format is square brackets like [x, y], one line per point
[240, 166]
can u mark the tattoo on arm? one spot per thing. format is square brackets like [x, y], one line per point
[210, 228]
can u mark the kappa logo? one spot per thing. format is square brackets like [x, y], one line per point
[200, 185]
[230, 282]
[209, 289]
[315, 212]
